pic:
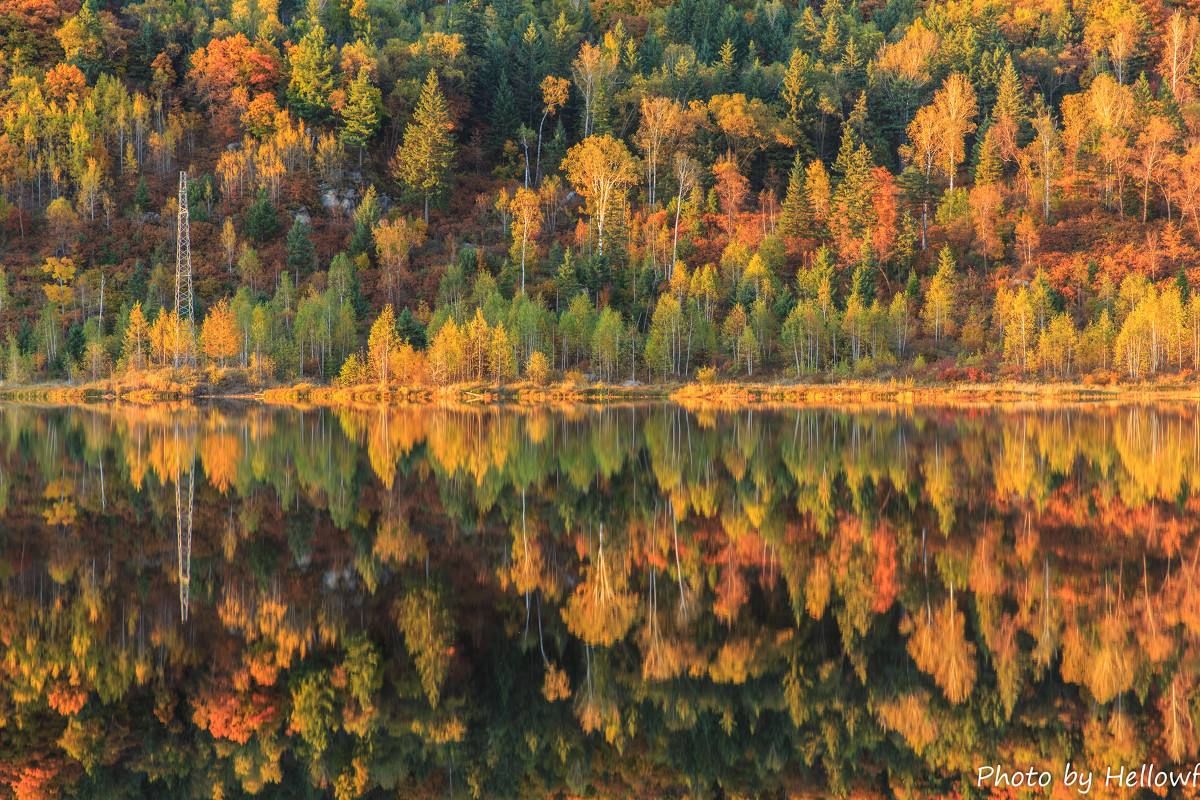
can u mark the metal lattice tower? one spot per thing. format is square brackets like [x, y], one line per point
[183, 271]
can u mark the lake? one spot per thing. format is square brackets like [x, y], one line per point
[225, 600]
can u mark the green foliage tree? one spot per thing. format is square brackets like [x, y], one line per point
[360, 113]
[301, 254]
[262, 221]
[422, 161]
[311, 80]
[312, 715]
[795, 218]
[606, 343]
[428, 634]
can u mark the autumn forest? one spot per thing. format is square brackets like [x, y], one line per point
[424, 193]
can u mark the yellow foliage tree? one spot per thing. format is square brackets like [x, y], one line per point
[219, 335]
[526, 208]
[600, 610]
[939, 647]
[394, 243]
[61, 272]
[137, 339]
[382, 342]
[600, 168]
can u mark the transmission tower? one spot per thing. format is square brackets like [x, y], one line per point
[183, 273]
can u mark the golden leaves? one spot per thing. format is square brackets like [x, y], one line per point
[397, 544]
[940, 649]
[219, 335]
[1178, 727]
[556, 685]
[1100, 660]
[598, 615]
[734, 662]
[908, 715]
[62, 512]
[221, 453]
[817, 588]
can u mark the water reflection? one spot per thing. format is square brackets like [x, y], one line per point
[635, 600]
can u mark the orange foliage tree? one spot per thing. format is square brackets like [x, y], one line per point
[219, 335]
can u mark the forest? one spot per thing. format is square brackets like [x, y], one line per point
[419, 193]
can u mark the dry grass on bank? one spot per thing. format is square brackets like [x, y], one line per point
[141, 387]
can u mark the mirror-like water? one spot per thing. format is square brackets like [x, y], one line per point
[231, 600]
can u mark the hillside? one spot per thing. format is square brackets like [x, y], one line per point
[428, 193]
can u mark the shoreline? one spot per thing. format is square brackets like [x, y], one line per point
[693, 396]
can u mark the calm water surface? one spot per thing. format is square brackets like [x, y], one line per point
[226, 601]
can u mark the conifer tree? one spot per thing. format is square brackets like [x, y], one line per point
[853, 199]
[261, 221]
[141, 196]
[1009, 112]
[862, 282]
[504, 119]
[360, 114]
[312, 74]
[422, 162]
[797, 91]
[410, 329]
[301, 255]
[843, 164]
[796, 215]
[988, 165]
[912, 287]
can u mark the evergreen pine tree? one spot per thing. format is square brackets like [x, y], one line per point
[422, 162]
[360, 114]
[261, 220]
[987, 163]
[141, 195]
[1010, 99]
[410, 329]
[845, 157]
[312, 74]
[504, 120]
[797, 91]
[862, 283]
[301, 255]
[795, 219]
[853, 200]
[912, 287]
